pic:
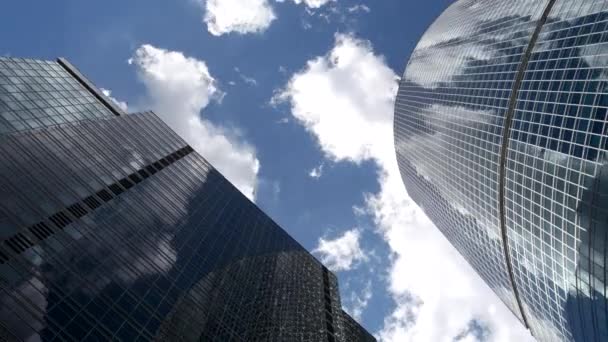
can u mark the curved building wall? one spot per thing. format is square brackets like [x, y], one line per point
[500, 133]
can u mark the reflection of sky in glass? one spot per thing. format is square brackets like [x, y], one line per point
[449, 124]
[167, 246]
[36, 94]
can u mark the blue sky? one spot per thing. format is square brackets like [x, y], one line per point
[268, 91]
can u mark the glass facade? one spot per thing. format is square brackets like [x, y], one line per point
[501, 137]
[113, 228]
[36, 93]
[353, 331]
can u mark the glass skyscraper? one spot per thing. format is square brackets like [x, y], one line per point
[501, 137]
[113, 228]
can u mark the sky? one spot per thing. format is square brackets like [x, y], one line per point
[292, 100]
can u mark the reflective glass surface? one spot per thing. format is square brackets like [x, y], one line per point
[113, 228]
[36, 93]
[500, 133]
[354, 332]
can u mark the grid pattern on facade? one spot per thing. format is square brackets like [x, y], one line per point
[64, 278]
[59, 166]
[40, 231]
[35, 93]
[449, 120]
[119, 271]
[450, 110]
[353, 331]
[143, 240]
[557, 148]
[288, 278]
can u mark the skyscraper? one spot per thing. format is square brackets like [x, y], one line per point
[113, 228]
[501, 137]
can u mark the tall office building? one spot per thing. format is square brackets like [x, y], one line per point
[501, 137]
[113, 228]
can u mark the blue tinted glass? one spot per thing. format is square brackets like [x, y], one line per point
[500, 130]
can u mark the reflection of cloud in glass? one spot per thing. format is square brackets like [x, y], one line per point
[449, 124]
[470, 31]
[596, 56]
[15, 315]
[447, 132]
[449, 60]
[117, 243]
[114, 258]
[458, 228]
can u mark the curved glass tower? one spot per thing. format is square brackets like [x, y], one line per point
[501, 137]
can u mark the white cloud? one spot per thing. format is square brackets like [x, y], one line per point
[276, 190]
[345, 100]
[238, 16]
[283, 121]
[248, 16]
[359, 210]
[249, 80]
[121, 104]
[310, 3]
[306, 25]
[359, 8]
[316, 172]
[178, 88]
[358, 302]
[450, 294]
[342, 253]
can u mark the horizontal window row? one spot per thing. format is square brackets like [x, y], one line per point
[19, 242]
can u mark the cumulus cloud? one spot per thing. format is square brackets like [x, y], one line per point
[448, 292]
[342, 253]
[121, 104]
[316, 172]
[238, 16]
[248, 16]
[178, 89]
[345, 100]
